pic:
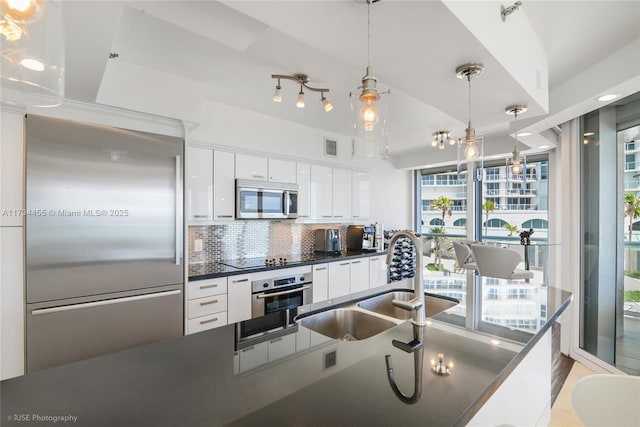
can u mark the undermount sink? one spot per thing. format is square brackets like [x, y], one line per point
[382, 304]
[346, 324]
[370, 317]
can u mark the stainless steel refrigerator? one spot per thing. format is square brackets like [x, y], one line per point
[104, 240]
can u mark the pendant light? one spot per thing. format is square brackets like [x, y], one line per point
[368, 110]
[517, 161]
[32, 38]
[470, 147]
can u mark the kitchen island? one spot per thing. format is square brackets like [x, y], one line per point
[197, 380]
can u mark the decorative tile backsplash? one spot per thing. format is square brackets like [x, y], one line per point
[255, 239]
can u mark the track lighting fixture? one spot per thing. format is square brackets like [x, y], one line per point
[440, 137]
[303, 81]
[517, 161]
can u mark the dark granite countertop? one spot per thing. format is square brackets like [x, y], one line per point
[213, 269]
[196, 381]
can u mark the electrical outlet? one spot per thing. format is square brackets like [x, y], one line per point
[197, 245]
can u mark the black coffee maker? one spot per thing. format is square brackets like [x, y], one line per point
[361, 238]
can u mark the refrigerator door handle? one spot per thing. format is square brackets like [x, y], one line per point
[105, 302]
[179, 207]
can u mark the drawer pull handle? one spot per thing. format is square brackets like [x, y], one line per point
[244, 350]
[344, 263]
[200, 216]
[224, 216]
[204, 322]
[303, 216]
[276, 340]
[355, 262]
[321, 268]
[337, 216]
[258, 176]
[240, 281]
[209, 302]
[208, 286]
[326, 216]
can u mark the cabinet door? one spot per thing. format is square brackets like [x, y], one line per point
[360, 195]
[254, 356]
[224, 185]
[12, 168]
[339, 279]
[281, 347]
[251, 167]
[11, 302]
[199, 173]
[238, 298]
[320, 282]
[377, 271]
[304, 187]
[321, 192]
[359, 275]
[282, 171]
[341, 194]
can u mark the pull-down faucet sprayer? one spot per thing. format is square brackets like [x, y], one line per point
[418, 321]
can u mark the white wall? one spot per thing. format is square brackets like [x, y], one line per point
[242, 130]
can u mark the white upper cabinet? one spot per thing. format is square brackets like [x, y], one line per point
[199, 173]
[304, 188]
[341, 194]
[321, 192]
[282, 171]
[360, 183]
[251, 167]
[223, 185]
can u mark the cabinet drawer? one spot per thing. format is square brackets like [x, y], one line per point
[206, 322]
[207, 305]
[205, 288]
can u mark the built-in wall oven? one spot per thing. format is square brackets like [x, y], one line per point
[275, 302]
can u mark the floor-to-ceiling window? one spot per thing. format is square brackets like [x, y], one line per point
[610, 233]
[511, 203]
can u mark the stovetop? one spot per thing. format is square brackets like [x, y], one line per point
[260, 262]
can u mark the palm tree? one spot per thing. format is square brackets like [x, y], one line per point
[488, 206]
[631, 209]
[511, 228]
[443, 204]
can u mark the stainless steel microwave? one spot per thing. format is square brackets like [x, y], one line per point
[266, 200]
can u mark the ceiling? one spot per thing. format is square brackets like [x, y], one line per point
[199, 52]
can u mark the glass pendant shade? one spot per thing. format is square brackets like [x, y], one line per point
[369, 125]
[32, 38]
[300, 100]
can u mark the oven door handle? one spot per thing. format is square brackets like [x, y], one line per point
[290, 291]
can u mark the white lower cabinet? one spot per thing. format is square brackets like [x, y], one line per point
[11, 302]
[359, 275]
[377, 271]
[238, 298]
[254, 356]
[281, 347]
[203, 323]
[206, 306]
[339, 279]
[320, 282]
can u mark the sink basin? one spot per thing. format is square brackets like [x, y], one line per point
[382, 304]
[346, 324]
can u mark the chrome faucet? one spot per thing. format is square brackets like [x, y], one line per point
[418, 321]
[416, 305]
